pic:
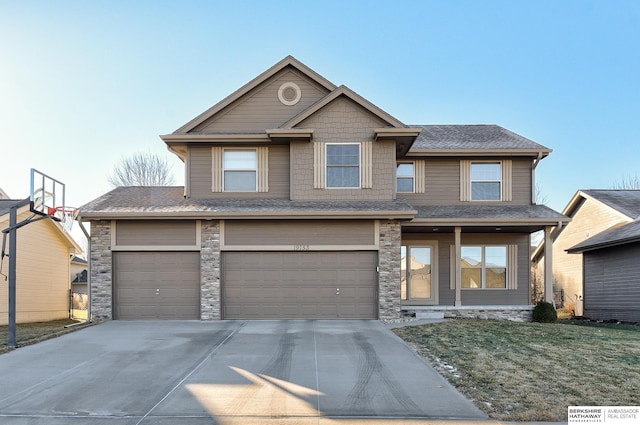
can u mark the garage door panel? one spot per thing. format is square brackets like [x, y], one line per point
[156, 285]
[273, 285]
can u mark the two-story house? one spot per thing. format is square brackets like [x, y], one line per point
[304, 200]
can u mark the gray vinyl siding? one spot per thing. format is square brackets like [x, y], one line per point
[303, 232]
[446, 296]
[442, 182]
[156, 233]
[200, 175]
[612, 283]
[260, 109]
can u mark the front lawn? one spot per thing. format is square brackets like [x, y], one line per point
[30, 333]
[533, 371]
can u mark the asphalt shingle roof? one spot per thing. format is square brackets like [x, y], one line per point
[618, 235]
[464, 137]
[625, 201]
[484, 212]
[167, 200]
[6, 204]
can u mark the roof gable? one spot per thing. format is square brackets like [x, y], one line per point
[626, 202]
[346, 92]
[288, 62]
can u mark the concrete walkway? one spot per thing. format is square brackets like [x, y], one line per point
[228, 372]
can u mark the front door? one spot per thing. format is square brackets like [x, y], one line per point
[419, 277]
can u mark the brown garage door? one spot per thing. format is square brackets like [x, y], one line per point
[300, 285]
[156, 285]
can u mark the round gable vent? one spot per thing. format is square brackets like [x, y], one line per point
[289, 94]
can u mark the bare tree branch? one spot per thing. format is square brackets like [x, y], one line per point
[142, 169]
[628, 181]
[541, 198]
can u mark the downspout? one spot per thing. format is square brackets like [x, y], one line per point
[533, 177]
[88, 236]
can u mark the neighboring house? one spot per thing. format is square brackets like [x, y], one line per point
[612, 273]
[79, 288]
[43, 266]
[592, 212]
[3, 194]
[304, 200]
[79, 268]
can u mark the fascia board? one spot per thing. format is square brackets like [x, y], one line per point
[478, 152]
[200, 215]
[485, 222]
[172, 139]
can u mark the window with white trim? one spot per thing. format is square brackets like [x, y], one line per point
[240, 170]
[343, 165]
[486, 181]
[484, 267]
[405, 177]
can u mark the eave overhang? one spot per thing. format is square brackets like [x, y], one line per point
[290, 134]
[479, 152]
[403, 136]
[246, 215]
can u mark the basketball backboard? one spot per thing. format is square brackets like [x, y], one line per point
[46, 194]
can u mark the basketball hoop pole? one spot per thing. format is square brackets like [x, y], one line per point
[13, 218]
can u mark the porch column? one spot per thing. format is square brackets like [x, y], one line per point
[548, 265]
[458, 277]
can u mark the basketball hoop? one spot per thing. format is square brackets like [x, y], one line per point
[65, 215]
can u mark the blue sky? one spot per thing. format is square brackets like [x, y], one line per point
[85, 83]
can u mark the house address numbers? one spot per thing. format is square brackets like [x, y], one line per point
[301, 247]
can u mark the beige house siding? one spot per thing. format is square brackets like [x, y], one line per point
[260, 109]
[442, 182]
[299, 235]
[343, 121]
[156, 233]
[590, 218]
[201, 181]
[42, 275]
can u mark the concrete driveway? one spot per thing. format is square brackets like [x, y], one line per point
[228, 372]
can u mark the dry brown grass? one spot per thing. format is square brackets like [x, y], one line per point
[31, 333]
[533, 371]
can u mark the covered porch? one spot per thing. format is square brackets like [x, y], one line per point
[473, 260]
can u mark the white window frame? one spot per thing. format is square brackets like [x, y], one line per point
[224, 169]
[413, 177]
[500, 181]
[327, 165]
[483, 267]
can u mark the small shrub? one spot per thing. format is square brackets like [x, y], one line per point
[545, 312]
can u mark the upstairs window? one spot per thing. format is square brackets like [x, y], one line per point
[405, 177]
[486, 181]
[343, 165]
[240, 170]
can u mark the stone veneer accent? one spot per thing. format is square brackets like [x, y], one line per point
[101, 271]
[516, 313]
[210, 300]
[389, 275]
